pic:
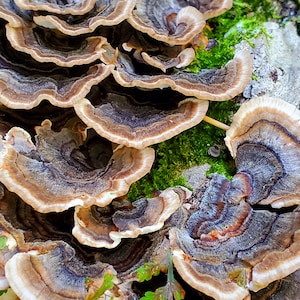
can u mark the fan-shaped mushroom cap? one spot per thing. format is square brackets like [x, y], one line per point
[105, 13]
[166, 21]
[24, 86]
[58, 7]
[211, 8]
[183, 59]
[138, 118]
[214, 84]
[264, 139]
[96, 228]
[146, 50]
[47, 45]
[56, 274]
[67, 52]
[227, 247]
[175, 22]
[37, 233]
[54, 174]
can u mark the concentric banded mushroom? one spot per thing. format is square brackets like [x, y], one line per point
[66, 7]
[104, 13]
[149, 51]
[264, 140]
[54, 174]
[218, 85]
[51, 50]
[46, 45]
[138, 118]
[35, 41]
[226, 248]
[174, 22]
[182, 59]
[105, 227]
[175, 26]
[24, 86]
[57, 274]
[212, 8]
[38, 240]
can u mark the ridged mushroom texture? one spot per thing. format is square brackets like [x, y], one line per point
[58, 266]
[103, 13]
[59, 274]
[146, 50]
[138, 118]
[24, 86]
[224, 243]
[47, 45]
[85, 88]
[105, 227]
[54, 174]
[58, 7]
[264, 140]
[211, 84]
[245, 233]
[174, 22]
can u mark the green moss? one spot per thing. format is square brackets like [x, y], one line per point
[188, 149]
[243, 22]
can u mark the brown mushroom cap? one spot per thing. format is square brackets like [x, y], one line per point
[227, 246]
[175, 22]
[264, 139]
[35, 41]
[138, 118]
[24, 86]
[105, 13]
[105, 228]
[212, 8]
[58, 7]
[92, 226]
[56, 274]
[168, 23]
[54, 174]
[47, 45]
[182, 59]
[214, 84]
[37, 233]
[276, 265]
[10, 13]
[147, 50]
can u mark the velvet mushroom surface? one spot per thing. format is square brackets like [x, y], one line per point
[174, 22]
[105, 227]
[138, 118]
[213, 84]
[86, 87]
[54, 174]
[58, 265]
[278, 184]
[238, 239]
[103, 13]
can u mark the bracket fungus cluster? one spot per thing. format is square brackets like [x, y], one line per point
[86, 87]
[244, 232]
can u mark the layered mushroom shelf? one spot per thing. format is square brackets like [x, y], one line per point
[86, 87]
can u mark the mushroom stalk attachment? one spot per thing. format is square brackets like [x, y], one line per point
[216, 123]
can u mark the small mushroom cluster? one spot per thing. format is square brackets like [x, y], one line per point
[96, 83]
